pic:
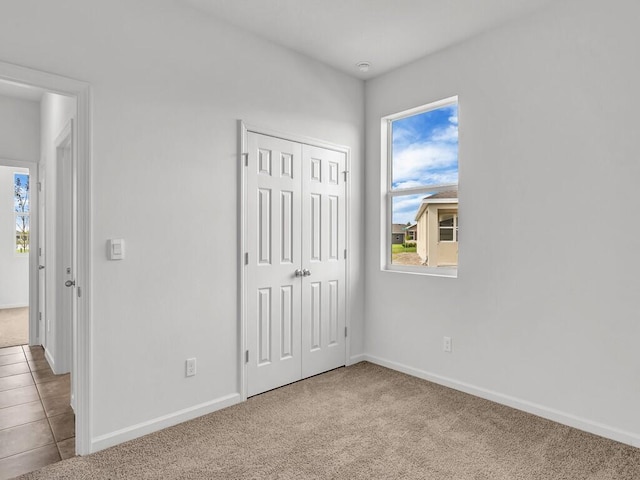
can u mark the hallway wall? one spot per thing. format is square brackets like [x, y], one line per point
[56, 112]
[19, 129]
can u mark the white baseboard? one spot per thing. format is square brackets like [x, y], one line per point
[622, 436]
[114, 438]
[356, 359]
[13, 305]
[50, 359]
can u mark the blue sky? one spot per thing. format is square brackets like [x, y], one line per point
[425, 152]
[24, 180]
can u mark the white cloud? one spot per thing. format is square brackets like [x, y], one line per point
[453, 119]
[406, 207]
[409, 184]
[449, 134]
[443, 178]
[421, 162]
[402, 135]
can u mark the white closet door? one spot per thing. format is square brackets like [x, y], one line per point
[323, 260]
[295, 276]
[273, 246]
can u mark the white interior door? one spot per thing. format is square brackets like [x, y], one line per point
[273, 247]
[323, 256]
[295, 270]
[66, 255]
[64, 267]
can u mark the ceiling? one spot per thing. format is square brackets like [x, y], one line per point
[386, 33]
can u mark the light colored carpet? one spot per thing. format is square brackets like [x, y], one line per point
[361, 422]
[14, 326]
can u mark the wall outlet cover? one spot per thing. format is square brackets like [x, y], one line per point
[191, 367]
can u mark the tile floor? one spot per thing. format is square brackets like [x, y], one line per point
[37, 424]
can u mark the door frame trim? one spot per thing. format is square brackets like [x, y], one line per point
[82, 92]
[64, 330]
[243, 130]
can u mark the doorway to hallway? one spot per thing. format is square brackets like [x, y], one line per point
[77, 337]
[16, 217]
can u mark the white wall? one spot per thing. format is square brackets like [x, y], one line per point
[544, 312]
[14, 268]
[56, 112]
[168, 87]
[19, 129]
[19, 140]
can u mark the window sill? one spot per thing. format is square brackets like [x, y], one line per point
[448, 272]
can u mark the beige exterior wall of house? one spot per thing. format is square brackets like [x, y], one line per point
[423, 237]
[447, 253]
[429, 247]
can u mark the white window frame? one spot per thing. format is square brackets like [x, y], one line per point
[20, 214]
[453, 228]
[388, 193]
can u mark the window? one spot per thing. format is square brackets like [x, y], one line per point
[448, 227]
[21, 210]
[421, 189]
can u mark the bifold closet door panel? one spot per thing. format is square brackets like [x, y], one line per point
[273, 291]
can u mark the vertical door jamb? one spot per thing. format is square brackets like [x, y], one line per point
[34, 273]
[242, 216]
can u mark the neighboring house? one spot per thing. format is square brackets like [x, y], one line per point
[402, 233]
[437, 229]
[397, 233]
[411, 233]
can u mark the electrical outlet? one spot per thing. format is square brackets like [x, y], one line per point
[446, 344]
[191, 367]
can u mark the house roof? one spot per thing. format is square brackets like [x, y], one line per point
[398, 228]
[448, 196]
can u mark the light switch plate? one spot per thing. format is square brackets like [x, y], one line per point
[115, 247]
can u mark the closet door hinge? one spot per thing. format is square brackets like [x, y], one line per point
[246, 159]
[39, 186]
[345, 173]
[246, 258]
[345, 253]
[345, 332]
[246, 356]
